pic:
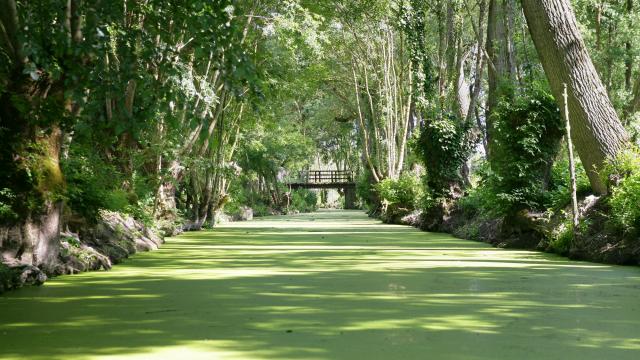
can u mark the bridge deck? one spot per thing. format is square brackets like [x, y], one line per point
[308, 185]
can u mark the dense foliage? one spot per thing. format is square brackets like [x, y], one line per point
[405, 192]
[444, 145]
[625, 195]
[527, 139]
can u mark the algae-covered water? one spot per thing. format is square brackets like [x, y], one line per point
[329, 285]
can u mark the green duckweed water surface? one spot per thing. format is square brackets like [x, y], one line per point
[329, 285]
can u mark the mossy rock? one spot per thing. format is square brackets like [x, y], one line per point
[13, 277]
[6, 278]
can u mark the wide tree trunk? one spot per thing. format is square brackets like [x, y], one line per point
[596, 130]
[31, 177]
[35, 107]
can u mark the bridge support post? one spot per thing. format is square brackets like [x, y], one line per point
[350, 197]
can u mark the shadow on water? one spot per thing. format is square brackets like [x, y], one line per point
[329, 285]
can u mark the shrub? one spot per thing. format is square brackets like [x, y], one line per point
[239, 197]
[88, 184]
[260, 209]
[365, 191]
[559, 193]
[625, 195]
[7, 214]
[482, 199]
[141, 210]
[560, 241]
[303, 200]
[406, 192]
[117, 200]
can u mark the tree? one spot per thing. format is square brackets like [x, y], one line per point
[597, 131]
[382, 79]
[152, 85]
[501, 71]
[34, 110]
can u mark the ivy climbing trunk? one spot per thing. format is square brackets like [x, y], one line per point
[596, 130]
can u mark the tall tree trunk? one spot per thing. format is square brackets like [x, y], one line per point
[510, 25]
[598, 11]
[442, 51]
[596, 130]
[499, 69]
[628, 62]
[634, 105]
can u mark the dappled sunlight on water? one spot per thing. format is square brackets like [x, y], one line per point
[329, 285]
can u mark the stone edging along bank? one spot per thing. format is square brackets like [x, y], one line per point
[113, 238]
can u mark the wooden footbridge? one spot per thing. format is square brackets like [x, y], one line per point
[341, 180]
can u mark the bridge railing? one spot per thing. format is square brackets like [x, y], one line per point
[324, 177]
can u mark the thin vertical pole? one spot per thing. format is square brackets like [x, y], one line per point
[572, 165]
